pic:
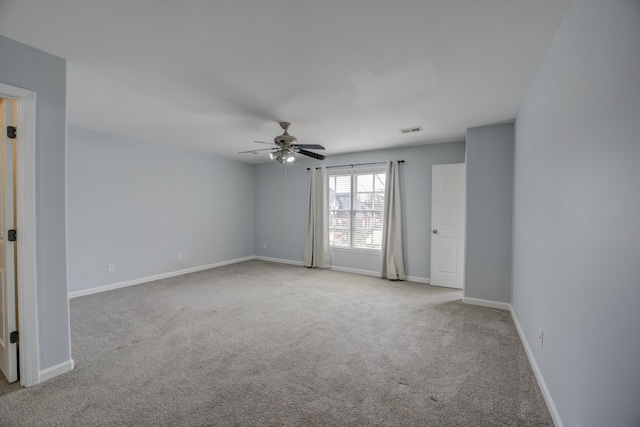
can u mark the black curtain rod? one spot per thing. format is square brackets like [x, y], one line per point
[356, 164]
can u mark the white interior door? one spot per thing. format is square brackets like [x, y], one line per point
[448, 204]
[8, 324]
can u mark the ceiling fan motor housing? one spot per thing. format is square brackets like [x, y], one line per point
[285, 139]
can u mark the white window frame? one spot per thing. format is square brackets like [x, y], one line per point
[353, 173]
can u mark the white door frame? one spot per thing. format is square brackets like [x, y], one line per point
[26, 232]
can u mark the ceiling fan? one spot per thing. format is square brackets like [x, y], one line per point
[286, 147]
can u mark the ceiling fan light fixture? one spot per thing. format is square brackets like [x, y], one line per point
[290, 156]
[287, 147]
[283, 156]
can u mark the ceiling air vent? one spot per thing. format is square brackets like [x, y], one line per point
[411, 130]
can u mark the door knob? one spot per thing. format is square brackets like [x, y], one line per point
[435, 231]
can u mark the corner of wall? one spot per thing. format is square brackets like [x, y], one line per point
[536, 371]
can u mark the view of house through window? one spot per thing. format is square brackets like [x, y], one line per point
[356, 209]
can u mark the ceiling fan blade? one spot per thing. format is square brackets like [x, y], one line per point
[310, 146]
[311, 154]
[253, 151]
[262, 142]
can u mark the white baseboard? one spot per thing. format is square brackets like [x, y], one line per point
[345, 269]
[417, 279]
[133, 282]
[536, 370]
[487, 303]
[355, 271]
[449, 287]
[55, 370]
[279, 260]
[532, 361]
[333, 267]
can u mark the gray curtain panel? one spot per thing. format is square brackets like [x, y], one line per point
[316, 242]
[392, 257]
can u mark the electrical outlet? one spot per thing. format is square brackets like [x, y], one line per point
[541, 338]
[111, 267]
[264, 245]
[179, 256]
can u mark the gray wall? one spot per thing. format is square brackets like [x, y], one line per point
[45, 74]
[489, 213]
[137, 205]
[577, 215]
[281, 206]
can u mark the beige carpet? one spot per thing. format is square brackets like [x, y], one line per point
[6, 387]
[258, 343]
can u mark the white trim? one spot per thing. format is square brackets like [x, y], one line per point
[66, 214]
[13, 92]
[417, 279]
[487, 303]
[280, 261]
[147, 279]
[464, 261]
[449, 287]
[55, 370]
[355, 271]
[536, 370]
[26, 220]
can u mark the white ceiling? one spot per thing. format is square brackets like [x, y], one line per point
[216, 75]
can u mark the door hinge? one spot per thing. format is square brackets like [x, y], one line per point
[13, 337]
[11, 235]
[11, 132]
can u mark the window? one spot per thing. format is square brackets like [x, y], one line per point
[356, 209]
